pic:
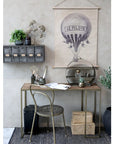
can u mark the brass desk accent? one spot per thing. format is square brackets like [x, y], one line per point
[26, 87]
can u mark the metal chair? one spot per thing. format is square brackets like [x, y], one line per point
[50, 110]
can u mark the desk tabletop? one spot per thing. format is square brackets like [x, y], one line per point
[26, 86]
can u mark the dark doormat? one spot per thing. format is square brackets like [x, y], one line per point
[46, 137]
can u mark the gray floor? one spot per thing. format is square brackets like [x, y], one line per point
[7, 133]
[46, 137]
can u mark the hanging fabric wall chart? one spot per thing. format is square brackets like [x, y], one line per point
[76, 31]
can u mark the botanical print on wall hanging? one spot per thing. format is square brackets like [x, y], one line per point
[75, 35]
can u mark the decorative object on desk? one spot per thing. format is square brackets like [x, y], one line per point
[34, 68]
[45, 71]
[81, 82]
[36, 32]
[106, 82]
[40, 80]
[18, 36]
[83, 69]
[33, 77]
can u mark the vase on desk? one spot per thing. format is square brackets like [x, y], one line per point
[32, 78]
[81, 84]
[41, 81]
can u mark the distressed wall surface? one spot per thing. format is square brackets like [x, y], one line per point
[17, 15]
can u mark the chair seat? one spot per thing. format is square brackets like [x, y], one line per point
[46, 111]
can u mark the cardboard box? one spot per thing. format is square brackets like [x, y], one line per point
[79, 117]
[79, 128]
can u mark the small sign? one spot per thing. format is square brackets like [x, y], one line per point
[39, 54]
[7, 55]
[31, 55]
[23, 55]
[15, 55]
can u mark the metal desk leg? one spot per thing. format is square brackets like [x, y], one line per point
[96, 136]
[21, 116]
[100, 115]
[82, 100]
[95, 106]
[25, 98]
[85, 111]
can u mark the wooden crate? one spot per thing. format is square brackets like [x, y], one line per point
[79, 117]
[79, 128]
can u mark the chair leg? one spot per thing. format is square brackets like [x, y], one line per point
[32, 127]
[54, 139]
[64, 124]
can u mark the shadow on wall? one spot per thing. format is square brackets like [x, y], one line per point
[49, 56]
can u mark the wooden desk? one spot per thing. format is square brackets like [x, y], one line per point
[26, 87]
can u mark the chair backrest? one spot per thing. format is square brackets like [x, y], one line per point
[39, 93]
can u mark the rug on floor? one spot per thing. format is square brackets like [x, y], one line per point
[46, 137]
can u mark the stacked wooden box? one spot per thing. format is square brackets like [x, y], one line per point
[78, 123]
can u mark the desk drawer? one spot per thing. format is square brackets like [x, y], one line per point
[39, 54]
[30, 54]
[23, 54]
[15, 54]
[7, 54]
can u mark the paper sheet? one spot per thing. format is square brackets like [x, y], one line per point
[58, 86]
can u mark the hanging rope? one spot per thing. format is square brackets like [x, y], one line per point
[60, 3]
[93, 4]
[87, 0]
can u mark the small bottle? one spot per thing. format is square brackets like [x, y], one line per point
[28, 40]
[81, 82]
[32, 78]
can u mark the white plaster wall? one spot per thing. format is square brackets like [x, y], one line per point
[18, 14]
